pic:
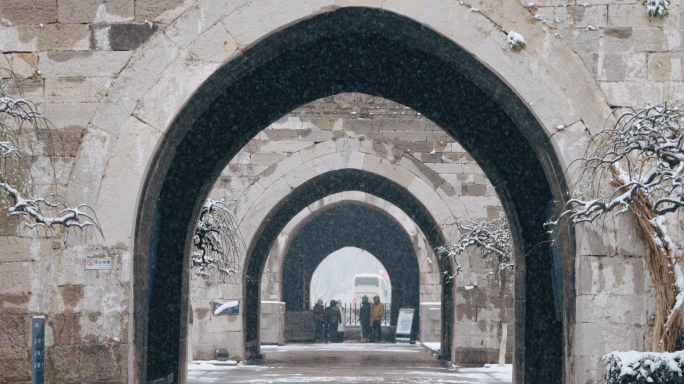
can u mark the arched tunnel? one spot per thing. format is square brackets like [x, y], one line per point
[353, 225]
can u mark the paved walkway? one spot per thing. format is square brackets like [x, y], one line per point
[345, 363]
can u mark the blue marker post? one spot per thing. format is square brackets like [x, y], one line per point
[37, 349]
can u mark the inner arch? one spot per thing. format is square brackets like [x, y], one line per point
[352, 225]
[333, 277]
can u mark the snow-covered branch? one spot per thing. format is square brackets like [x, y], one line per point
[493, 237]
[644, 152]
[217, 242]
[22, 131]
[637, 166]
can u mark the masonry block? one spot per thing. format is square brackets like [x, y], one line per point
[28, 12]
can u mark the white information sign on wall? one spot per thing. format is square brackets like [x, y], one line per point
[98, 263]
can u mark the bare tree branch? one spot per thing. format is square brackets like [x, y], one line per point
[25, 135]
[218, 244]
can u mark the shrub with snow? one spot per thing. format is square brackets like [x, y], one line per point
[644, 367]
[516, 41]
[657, 7]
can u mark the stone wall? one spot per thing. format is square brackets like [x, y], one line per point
[112, 83]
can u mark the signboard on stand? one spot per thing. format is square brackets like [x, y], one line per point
[404, 325]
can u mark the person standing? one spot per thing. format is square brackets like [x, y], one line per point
[319, 321]
[332, 314]
[364, 319]
[376, 319]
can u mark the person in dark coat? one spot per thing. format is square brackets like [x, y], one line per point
[334, 317]
[364, 319]
[319, 320]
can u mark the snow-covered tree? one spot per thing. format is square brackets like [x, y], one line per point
[493, 239]
[25, 137]
[637, 166]
[218, 244]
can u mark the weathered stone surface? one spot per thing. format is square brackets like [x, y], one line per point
[82, 64]
[95, 11]
[69, 362]
[627, 15]
[77, 90]
[215, 45]
[618, 40]
[162, 11]
[623, 94]
[26, 12]
[575, 16]
[128, 37]
[657, 40]
[15, 332]
[665, 67]
[51, 37]
[619, 275]
[15, 249]
[621, 67]
[23, 64]
[14, 277]
[70, 116]
[15, 365]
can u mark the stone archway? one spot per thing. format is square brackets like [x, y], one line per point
[427, 260]
[315, 189]
[357, 226]
[318, 57]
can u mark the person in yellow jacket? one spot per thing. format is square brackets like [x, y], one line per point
[377, 309]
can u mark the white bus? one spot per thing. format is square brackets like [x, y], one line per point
[367, 284]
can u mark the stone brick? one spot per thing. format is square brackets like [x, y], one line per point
[82, 64]
[619, 275]
[14, 277]
[582, 41]
[14, 304]
[621, 67]
[600, 339]
[395, 135]
[618, 40]
[152, 9]
[51, 37]
[66, 328]
[657, 40]
[68, 363]
[98, 11]
[413, 147]
[27, 12]
[15, 332]
[23, 64]
[215, 45]
[77, 90]
[575, 16]
[627, 15]
[599, 2]
[15, 365]
[69, 116]
[632, 94]
[128, 37]
[665, 67]
[15, 249]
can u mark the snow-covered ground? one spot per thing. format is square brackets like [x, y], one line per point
[346, 363]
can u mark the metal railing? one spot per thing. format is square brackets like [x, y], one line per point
[352, 311]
